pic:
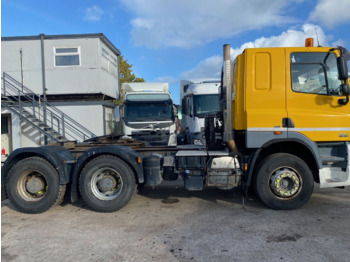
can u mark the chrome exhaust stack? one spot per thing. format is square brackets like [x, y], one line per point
[227, 88]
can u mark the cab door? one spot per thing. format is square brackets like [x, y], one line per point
[313, 91]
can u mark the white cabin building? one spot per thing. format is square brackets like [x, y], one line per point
[78, 75]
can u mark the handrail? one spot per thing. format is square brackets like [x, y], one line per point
[33, 124]
[51, 106]
[56, 119]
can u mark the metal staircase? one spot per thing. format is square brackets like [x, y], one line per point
[47, 119]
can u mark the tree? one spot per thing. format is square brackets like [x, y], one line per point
[126, 74]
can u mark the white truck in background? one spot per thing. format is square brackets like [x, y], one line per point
[148, 113]
[199, 99]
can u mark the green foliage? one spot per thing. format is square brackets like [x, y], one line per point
[126, 76]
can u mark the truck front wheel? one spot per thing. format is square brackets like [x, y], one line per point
[284, 181]
[32, 186]
[107, 184]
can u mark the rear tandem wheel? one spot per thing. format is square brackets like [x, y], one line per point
[107, 184]
[32, 186]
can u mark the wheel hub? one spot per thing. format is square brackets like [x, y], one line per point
[35, 185]
[285, 183]
[107, 183]
[32, 185]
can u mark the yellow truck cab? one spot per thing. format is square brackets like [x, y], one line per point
[290, 105]
[292, 90]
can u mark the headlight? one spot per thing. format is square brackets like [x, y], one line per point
[172, 140]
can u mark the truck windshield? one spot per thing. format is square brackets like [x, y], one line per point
[205, 104]
[146, 112]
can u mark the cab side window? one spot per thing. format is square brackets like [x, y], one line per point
[190, 107]
[187, 106]
[315, 73]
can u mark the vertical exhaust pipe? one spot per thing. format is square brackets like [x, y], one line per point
[227, 87]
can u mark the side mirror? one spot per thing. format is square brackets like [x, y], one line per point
[345, 89]
[345, 92]
[342, 68]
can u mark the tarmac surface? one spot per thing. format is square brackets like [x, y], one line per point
[168, 223]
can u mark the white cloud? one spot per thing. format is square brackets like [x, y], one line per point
[331, 13]
[208, 68]
[211, 67]
[339, 42]
[184, 23]
[93, 13]
[165, 79]
[287, 38]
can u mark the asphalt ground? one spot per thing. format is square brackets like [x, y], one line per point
[168, 223]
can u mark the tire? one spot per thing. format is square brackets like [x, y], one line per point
[107, 184]
[283, 182]
[32, 186]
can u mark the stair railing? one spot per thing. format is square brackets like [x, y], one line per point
[23, 97]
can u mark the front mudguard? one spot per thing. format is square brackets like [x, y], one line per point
[59, 157]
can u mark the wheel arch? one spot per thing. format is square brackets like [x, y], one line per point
[308, 153]
[293, 146]
[59, 157]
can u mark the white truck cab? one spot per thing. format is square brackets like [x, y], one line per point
[199, 99]
[148, 113]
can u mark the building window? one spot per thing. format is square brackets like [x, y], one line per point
[67, 56]
[105, 60]
[109, 63]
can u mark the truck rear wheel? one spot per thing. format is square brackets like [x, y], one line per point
[32, 186]
[107, 184]
[284, 181]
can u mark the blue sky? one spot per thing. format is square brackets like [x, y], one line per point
[170, 40]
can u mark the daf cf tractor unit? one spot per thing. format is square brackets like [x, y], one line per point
[283, 124]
